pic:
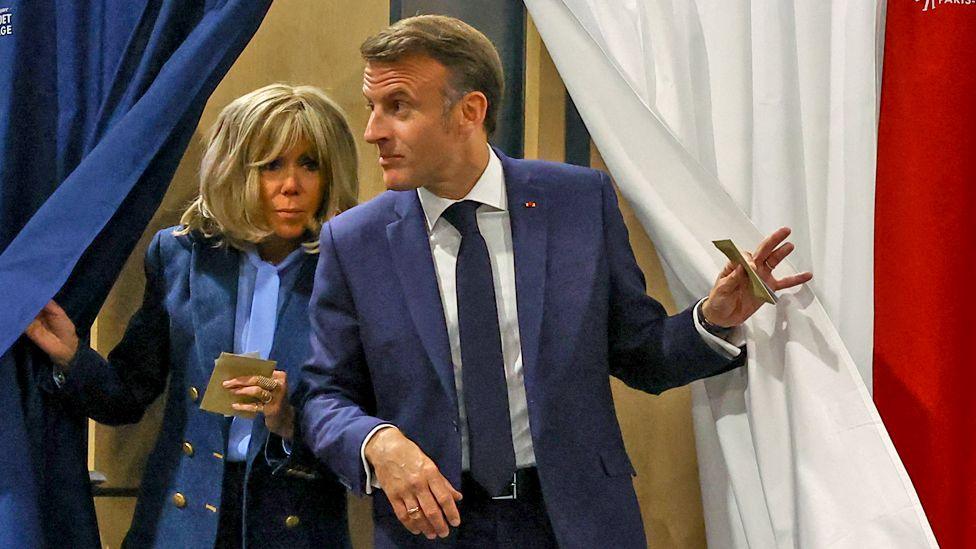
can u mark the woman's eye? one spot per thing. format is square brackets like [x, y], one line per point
[272, 166]
[311, 165]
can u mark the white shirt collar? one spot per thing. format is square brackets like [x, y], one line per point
[488, 190]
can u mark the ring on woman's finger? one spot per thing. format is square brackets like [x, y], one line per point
[268, 384]
[413, 511]
[266, 397]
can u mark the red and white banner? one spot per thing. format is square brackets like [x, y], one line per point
[925, 256]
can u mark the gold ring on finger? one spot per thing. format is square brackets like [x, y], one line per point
[413, 511]
[266, 397]
[267, 384]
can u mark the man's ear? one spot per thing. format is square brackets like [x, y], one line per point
[474, 108]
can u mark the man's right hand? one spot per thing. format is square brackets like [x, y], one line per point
[54, 333]
[421, 497]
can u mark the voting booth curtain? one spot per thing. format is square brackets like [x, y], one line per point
[727, 120]
[99, 100]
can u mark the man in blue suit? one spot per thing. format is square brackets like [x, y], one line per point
[465, 323]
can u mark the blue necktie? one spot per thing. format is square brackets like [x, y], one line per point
[258, 338]
[482, 366]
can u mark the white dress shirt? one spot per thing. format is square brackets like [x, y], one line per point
[496, 228]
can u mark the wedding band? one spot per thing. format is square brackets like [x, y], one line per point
[268, 384]
[413, 510]
[266, 397]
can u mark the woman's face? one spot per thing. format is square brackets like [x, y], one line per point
[291, 191]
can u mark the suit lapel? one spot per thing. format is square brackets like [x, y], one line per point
[527, 213]
[414, 265]
[213, 294]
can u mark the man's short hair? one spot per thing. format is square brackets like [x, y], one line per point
[470, 58]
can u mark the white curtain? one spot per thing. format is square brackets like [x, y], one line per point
[730, 118]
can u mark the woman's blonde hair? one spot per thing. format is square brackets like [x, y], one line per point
[252, 131]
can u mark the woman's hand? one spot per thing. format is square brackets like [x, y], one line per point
[271, 399]
[54, 333]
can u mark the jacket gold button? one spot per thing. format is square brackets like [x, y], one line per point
[188, 449]
[193, 393]
[292, 521]
[179, 500]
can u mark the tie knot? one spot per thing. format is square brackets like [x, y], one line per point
[462, 216]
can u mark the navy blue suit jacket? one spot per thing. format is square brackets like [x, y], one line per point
[381, 352]
[185, 322]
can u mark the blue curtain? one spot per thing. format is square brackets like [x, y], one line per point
[98, 100]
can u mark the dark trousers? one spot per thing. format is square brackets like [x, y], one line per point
[230, 527]
[521, 523]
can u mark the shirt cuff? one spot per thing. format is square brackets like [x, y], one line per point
[729, 346]
[370, 481]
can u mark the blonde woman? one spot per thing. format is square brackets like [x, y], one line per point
[234, 276]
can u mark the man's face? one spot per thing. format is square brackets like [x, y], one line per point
[418, 142]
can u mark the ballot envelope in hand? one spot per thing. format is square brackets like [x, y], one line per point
[758, 286]
[217, 399]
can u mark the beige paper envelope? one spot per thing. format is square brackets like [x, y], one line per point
[759, 288]
[217, 399]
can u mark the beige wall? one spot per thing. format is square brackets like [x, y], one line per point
[315, 42]
[657, 429]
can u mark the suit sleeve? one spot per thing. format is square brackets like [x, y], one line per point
[335, 396]
[118, 390]
[649, 350]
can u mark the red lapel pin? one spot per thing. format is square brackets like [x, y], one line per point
[530, 204]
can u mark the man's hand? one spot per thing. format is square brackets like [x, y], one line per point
[271, 396]
[731, 301]
[54, 333]
[421, 497]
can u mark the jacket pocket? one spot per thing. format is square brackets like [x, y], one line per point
[616, 464]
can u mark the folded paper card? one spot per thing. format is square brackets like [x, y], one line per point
[759, 288]
[219, 400]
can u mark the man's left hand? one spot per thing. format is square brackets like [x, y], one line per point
[731, 302]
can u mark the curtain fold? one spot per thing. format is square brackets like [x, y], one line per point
[728, 119]
[100, 100]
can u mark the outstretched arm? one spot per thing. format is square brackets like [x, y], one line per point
[118, 390]
[649, 350]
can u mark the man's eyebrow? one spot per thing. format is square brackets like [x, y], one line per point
[397, 92]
